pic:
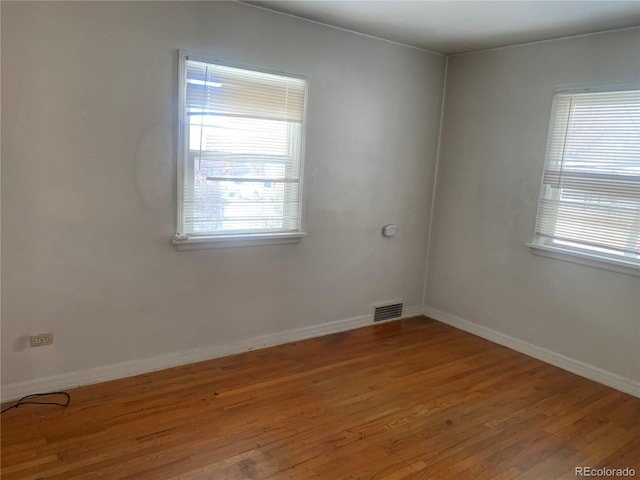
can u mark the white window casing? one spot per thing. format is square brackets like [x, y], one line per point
[589, 205]
[240, 155]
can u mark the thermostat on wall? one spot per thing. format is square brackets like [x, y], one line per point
[389, 230]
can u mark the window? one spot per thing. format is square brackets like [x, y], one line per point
[240, 157]
[590, 196]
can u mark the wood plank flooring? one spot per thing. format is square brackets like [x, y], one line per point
[412, 399]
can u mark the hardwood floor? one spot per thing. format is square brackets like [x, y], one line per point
[414, 399]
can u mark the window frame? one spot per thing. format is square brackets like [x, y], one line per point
[235, 239]
[547, 247]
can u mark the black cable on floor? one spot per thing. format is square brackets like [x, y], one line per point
[26, 400]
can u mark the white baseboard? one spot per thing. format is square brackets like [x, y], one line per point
[115, 371]
[596, 374]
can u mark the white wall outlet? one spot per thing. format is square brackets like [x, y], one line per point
[390, 230]
[41, 339]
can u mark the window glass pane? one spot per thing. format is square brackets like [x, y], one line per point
[243, 144]
[591, 187]
[220, 134]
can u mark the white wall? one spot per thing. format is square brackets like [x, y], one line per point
[88, 180]
[495, 125]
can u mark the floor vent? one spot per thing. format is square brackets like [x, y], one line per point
[387, 311]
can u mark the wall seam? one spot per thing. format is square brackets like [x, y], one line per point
[435, 181]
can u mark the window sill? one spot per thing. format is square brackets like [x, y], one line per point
[584, 258]
[229, 241]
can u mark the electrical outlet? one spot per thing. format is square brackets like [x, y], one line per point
[41, 339]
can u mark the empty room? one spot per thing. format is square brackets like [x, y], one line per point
[320, 240]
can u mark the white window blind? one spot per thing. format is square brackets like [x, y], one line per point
[242, 133]
[590, 197]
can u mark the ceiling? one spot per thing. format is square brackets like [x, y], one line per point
[454, 26]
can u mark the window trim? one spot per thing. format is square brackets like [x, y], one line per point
[583, 258]
[545, 246]
[245, 240]
[259, 238]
